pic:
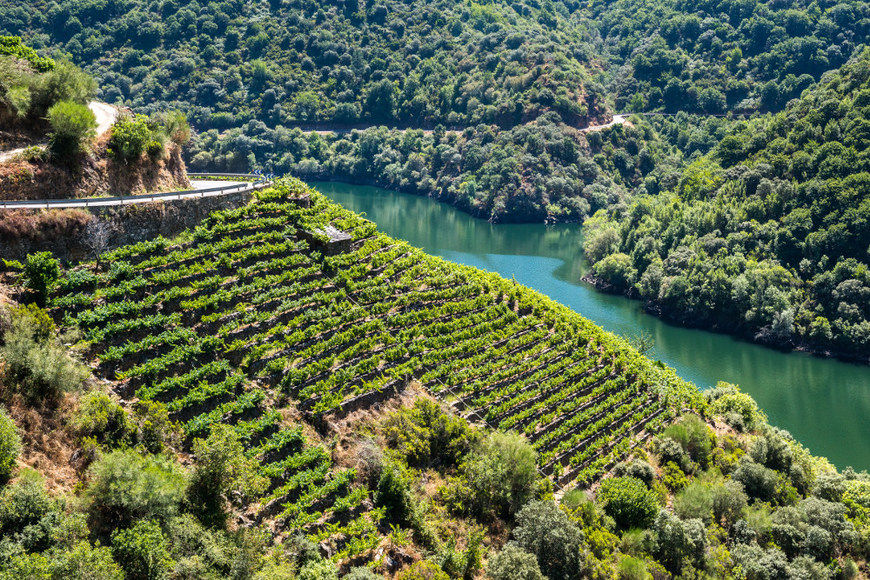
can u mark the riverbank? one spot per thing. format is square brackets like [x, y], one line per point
[761, 339]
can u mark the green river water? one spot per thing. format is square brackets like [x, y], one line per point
[824, 403]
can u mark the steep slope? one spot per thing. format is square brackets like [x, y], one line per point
[246, 313]
[767, 235]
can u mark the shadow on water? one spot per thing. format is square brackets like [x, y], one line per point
[824, 403]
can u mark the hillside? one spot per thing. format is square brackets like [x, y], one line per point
[350, 396]
[251, 305]
[767, 235]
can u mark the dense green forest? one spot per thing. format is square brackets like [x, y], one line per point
[234, 455]
[768, 234]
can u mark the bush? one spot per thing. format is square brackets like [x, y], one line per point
[10, 446]
[28, 515]
[546, 532]
[103, 419]
[628, 501]
[501, 474]
[677, 542]
[41, 271]
[132, 136]
[177, 128]
[126, 487]
[425, 434]
[513, 563]
[142, 551]
[423, 570]
[318, 570]
[693, 435]
[85, 561]
[38, 367]
[222, 472]
[362, 573]
[394, 494]
[631, 569]
[73, 128]
[695, 501]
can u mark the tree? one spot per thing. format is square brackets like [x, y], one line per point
[513, 563]
[545, 531]
[143, 551]
[628, 501]
[126, 487]
[98, 236]
[10, 446]
[86, 562]
[41, 271]
[222, 473]
[73, 128]
[502, 474]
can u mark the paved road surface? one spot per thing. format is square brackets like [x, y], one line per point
[201, 189]
[104, 113]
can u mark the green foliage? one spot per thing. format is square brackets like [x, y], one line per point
[425, 434]
[37, 365]
[394, 494]
[222, 473]
[693, 435]
[361, 573]
[767, 235]
[28, 515]
[737, 408]
[513, 563]
[40, 274]
[12, 46]
[501, 475]
[423, 570]
[546, 532]
[10, 446]
[133, 136]
[86, 562]
[628, 501]
[631, 569]
[73, 128]
[103, 419]
[126, 487]
[143, 551]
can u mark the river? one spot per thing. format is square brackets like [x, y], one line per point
[824, 403]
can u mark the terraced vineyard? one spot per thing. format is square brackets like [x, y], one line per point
[244, 317]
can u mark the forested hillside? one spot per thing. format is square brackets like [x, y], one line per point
[731, 55]
[768, 234]
[417, 63]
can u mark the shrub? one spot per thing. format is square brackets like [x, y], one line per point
[131, 137]
[362, 573]
[738, 409]
[28, 515]
[222, 472]
[177, 127]
[695, 501]
[546, 532]
[637, 468]
[142, 551]
[394, 494]
[85, 561]
[513, 563]
[423, 570]
[66, 82]
[318, 570]
[73, 127]
[628, 501]
[10, 446]
[41, 271]
[39, 368]
[678, 542]
[103, 419]
[693, 435]
[631, 569]
[126, 487]
[501, 474]
[425, 434]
